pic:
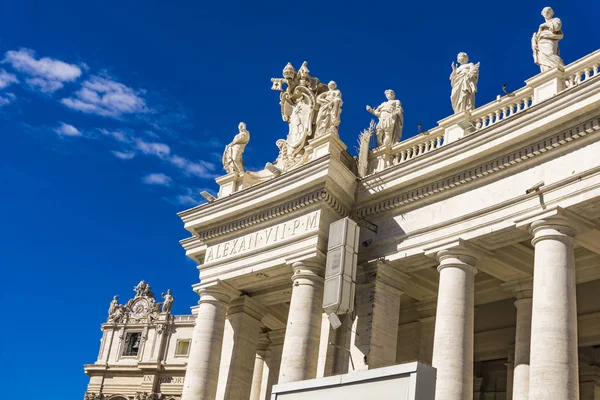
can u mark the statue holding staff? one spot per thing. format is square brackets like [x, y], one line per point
[391, 119]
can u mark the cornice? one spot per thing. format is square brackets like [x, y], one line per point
[279, 210]
[550, 143]
[238, 198]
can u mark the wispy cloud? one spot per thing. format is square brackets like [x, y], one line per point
[45, 74]
[119, 136]
[123, 155]
[157, 179]
[67, 130]
[7, 79]
[6, 99]
[106, 97]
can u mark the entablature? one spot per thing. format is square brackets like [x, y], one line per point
[324, 179]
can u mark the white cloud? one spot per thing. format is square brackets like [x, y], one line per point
[7, 79]
[6, 99]
[46, 74]
[200, 169]
[119, 136]
[43, 85]
[186, 200]
[67, 130]
[106, 97]
[157, 179]
[123, 155]
[157, 149]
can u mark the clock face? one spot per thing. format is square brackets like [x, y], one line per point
[139, 308]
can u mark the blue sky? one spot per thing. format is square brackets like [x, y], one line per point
[114, 115]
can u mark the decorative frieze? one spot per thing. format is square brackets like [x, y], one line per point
[306, 200]
[490, 167]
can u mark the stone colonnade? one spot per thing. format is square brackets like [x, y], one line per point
[545, 361]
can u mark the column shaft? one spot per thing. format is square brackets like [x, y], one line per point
[454, 325]
[272, 363]
[520, 381]
[239, 350]
[207, 340]
[554, 360]
[301, 345]
[259, 367]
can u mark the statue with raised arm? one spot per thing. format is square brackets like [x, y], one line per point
[328, 118]
[232, 156]
[113, 306]
[391, 120]
[167, 301]
[544, 42]
[463, 79]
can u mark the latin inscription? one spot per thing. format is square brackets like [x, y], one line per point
[263, 238]
[165, 379]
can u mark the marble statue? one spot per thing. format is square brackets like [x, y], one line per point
[300, 100]
[463, 79]
[113, 306]
[330, 108]
[391, 120]
[143, 289]
[167, 301]
[544, 42]
[232, 156]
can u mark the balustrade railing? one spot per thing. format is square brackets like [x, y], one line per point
[581, 70]
[503, 108]
[488, 115]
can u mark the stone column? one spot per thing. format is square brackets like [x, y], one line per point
[454, 325]
[259, 366]
[272, 363]
[510, 370]
[554, 360]
[301, 345]
[201, 374]
[520, 378]
[426, 311]
[378, 293]
[239, 349]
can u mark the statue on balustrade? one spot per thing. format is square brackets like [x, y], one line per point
[114, 304]
[463, 79]
[544, 42]
[330, 108]
[168, 301]
[232, 156]
[391, 120]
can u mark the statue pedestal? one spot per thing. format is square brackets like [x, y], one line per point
[234, 182]
[329, 143]
[547, 84]
[457, 126]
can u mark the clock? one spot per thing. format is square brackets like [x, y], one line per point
[139, 308]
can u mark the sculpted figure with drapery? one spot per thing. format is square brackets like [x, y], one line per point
[232, 156]
[310, 108]
[544, 42]
[391, 119]
[464, 78]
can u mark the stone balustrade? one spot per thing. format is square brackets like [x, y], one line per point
[483, 117]
[581, 70]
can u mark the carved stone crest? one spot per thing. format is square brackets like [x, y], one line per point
[300, 103]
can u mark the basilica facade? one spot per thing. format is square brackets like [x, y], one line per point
[478, 253]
